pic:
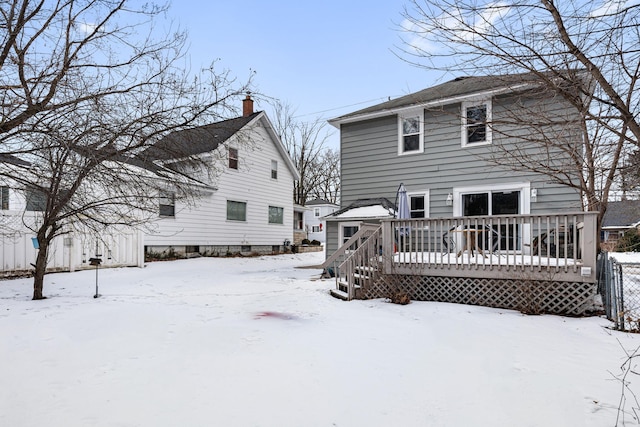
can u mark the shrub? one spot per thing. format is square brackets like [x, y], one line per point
[305, 241]
[315, 243]
[630, 242]
[399, 297]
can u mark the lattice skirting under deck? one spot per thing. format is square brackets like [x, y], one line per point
[528, 296]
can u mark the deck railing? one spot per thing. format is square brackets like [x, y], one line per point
[543, 247]
[333, 265]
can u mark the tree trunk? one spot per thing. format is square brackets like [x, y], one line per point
[41, 267]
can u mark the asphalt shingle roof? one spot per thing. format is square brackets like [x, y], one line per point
[625, 213]
[194, 141]
[454, 88]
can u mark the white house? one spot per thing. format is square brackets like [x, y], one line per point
[20, 215]
[246, 208]
[314, 218]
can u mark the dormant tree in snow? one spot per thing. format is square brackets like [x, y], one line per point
[318, 165]
[585, 52]
[85, 87]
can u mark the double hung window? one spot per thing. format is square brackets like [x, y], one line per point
[411, 133]
[167, 204]
[276, 215]
[476, 117]
[236, 211]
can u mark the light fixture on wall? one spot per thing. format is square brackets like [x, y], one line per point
[449, 199]
[534, 194]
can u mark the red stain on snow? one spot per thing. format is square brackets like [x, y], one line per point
[274, 314]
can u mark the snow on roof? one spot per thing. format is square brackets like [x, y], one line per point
[374, 211]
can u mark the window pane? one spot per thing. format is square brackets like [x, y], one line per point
[476, 124]
[477, 114]
[274, 169]
[411, 143]
[505, 203]
[348, 231]
[417, 206]
[236, 211]
[476, 133]
[36, 200]
[276, 215]
[475, 204]
[233, 158]
[411, 125]
[167, 203]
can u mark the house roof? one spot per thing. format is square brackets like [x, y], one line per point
[455, 90]
[198, 140]
[366, 208]
[203, 139]
[317, 202]
[622, 214]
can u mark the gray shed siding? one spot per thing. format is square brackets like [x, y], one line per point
[371, 166]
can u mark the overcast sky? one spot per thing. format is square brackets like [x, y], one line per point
[325, 58]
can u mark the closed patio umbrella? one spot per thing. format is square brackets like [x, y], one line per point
[402, 212]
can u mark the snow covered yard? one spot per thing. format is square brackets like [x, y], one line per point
[258, 342]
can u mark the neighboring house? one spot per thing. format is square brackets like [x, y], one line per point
[314, 218]
[619, 218]
[434, 141]
[299, 225]
[21, 212]
[246, 208]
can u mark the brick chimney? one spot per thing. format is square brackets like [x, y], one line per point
[247, 105]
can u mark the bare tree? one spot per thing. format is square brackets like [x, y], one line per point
[630, 175]
[86, 87]
[305, 142]
[328, 177]
[584, 52]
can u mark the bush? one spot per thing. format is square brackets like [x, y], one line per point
[630, 242]
[399, 297]
[305, 241]
[315, 243]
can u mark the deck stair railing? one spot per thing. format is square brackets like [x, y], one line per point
[332, 265]
[362, 267]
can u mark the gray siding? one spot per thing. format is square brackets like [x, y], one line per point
[371, 166]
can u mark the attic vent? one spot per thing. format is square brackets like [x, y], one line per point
[458, 79]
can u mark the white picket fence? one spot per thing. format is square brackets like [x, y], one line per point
[69, 252]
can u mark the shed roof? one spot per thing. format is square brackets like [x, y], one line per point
[625, 213]
[366, 208]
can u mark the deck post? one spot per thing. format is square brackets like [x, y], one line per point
[388, 250]
[589, 250]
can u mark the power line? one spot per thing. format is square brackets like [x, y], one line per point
[388, 98]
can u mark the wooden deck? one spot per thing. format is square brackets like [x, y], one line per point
[498, 250]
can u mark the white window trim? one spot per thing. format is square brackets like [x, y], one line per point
[401, 117]
[525, 200]
[523, 187]
[463, 129]
[316, 212]
[427, 203]
[341, 226]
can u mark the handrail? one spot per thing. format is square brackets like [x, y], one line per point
[365, 228]
[362, 266]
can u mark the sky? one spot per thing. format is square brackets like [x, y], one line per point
[324, 58]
